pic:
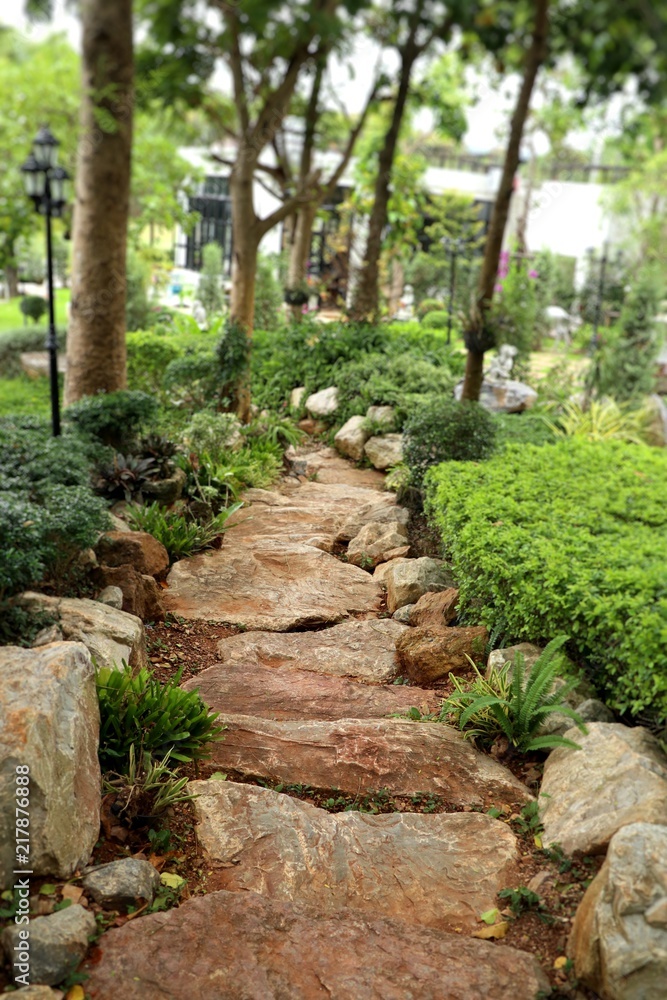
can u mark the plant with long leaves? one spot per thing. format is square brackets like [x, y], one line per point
[181, 537]
[145, 780]
[515, 706]
[154, 718]
[601, 420]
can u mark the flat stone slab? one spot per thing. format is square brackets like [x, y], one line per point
[281, 693]
[358, 756]
[437, 870]
[328, 467]
[365, 650]
[270, 585]
[242, 946]
[313, 510]
[619, 776]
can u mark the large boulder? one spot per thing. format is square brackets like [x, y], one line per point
[384, 451]
[619, 936]
[506, 396]
[57, 943]
[376, 543]
[110, 635]
[323, 403]
[50, 724]
[233, 945]
[138, 548]
[619, 776]
[408, 580]
[123, 883]
[436, 609]
[382, 416]
[437, 870]
[430, 653]
[364, 650]
[141, 595]
[357, 756]
[352, 437]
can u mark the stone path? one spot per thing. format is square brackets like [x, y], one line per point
[309, 904]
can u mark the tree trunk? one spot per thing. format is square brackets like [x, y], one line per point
[12, 279]
[96, 359]
[478, 337]
[365, 304]
[245, 248]
[300, 252]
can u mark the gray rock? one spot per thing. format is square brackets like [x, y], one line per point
[122, 883]
[111, 596]
[167, 490]
[323, 403]
[57, 943]
[385, 451]
[376, 541]
[619, 935]
[296, 397]
[381, 571]
[403, 614]
[52, 633]
[508, 396]
[619, 776]
[351, 438]
[383, 415]
[50, 722]
[110, 635]
[118, 524]
[590, 710]
[409, 580]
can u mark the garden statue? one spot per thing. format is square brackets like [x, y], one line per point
[500, 369]
[406, 306]
[199, 315]
[500, 393]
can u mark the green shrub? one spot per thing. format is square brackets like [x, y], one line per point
[515, 707]
[567, 538]
[444, 430]
[114, 418]
[211, 433]
[148, 355]
[268, 296]
[154, 718]
[522, 428]
[33, 307]
[14, 343]
[209, 291]
[31, 459]
[181, 537]
[429, 305]
[136, 302]
[193, 380]
[401, 380]
[233, 355]
[601, 421]
[437, 319]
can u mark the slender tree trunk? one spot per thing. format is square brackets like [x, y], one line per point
[96, 360]
[365, 303]
[245, 248]
[300, 251]
[12, 279]
[478, 337]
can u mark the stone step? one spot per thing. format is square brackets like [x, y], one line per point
[440, 870]
[233, 945]
[283, 694]
[269, 584]
[362, 650]
[357, 756]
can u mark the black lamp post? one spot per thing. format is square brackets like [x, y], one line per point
[45, 184]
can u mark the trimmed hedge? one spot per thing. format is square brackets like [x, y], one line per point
[568, 538]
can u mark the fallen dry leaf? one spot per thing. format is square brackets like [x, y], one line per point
[72, 892]
[75, 993]
[498, 931]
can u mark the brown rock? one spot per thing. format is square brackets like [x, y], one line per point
[435, 609]
[429, 653]
[142, 595]
[326, 466]
[436, 870]
[409, 579]
[373, 543]
[383, 569]
[401, 552]
[269, 585]
[378, 510]
[241, 946]
[281, 693]
[358, 756]
[365, 650]
[310, 426]
[138, 548]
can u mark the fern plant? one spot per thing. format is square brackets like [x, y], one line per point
[515, 706]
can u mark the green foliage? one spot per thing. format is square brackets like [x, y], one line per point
[148, 355]
[402, 380]
[146, 783]
[601, 420]
[209, 291]
[571, 538]
[522, 428]
[154, 718]
[211, 433]
[522, 900]
[193, 380]
[516, 707]
[617, 278]
[429, 305]
[429, 277]
[626, 365]
[13, 343]
[136, 303]
[180, 536]
[516, 308]
[268, 296]
[232, 354]
[33, 307]
[114, 418]
[443, 430]
[124, 476]
[436, 320]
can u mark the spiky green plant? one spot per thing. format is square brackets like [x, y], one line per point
[516, 707]
[181, 537]
[602, 420]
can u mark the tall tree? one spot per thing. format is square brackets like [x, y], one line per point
[410, 26]
[96, 360]
[477, 337]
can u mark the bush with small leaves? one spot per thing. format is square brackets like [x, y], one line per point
[33, 307]
[444, 430]
[437, 319]
[114, 418]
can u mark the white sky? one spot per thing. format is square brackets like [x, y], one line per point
[486, 119]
